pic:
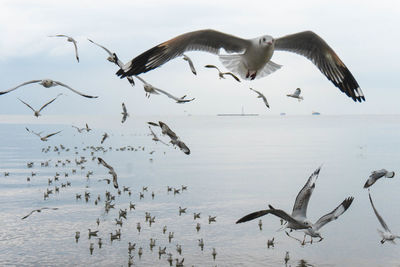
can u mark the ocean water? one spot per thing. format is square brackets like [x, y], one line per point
[237, 165]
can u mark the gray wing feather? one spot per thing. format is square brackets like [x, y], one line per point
[380, 219]
[339, 210]
[48, 103]
[22, 84]
[303, 197]
[73, 90]
[204, 40]
[314, 48]
[27, 104]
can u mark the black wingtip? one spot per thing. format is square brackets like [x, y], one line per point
[347, 202]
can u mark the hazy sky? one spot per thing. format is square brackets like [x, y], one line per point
[364, 34]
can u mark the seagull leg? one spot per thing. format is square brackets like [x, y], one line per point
[248, 74]
[253, 76]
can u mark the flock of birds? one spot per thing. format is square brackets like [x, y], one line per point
[251, 59]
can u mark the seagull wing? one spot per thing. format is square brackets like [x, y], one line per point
[48, 103]
[204, 40]
[279, 213]
[124, 108]
[111, 169]
[166, 130]
[212, 67]
[303, 197]
[153, 133]
[183, 147]
[59, 35]
[380, 219]
[30, 213]
[314, 48]
[108, 51]
[185, 57]
[297, 92]
[168, 94]
[50, 135]
[73, 90]
[27, 105]
[375, 175]
[76, 50]
[339, 210]
[22, 84]
[231, 74]
[153, 123]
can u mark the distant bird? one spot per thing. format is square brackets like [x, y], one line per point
[179, 263]
[91, 248]
[105, 136]
[111, 171]
[107, 180]
[185, 57]
[150, 89]
[43, 138]
[113, 58]
[375, 175]
[36, 113]
[179, 249]
[386, 234]
[124, 113]
[296, 94]
[260, 95]
[252, 58]
[47, 83]
[211, 219]
[77, 235]
[260, 224]
[80, 130]
[37, 210]
[222, 74]
[198, 227]
[182, 146]
[270, 243]
[92, 233]
[287, 258]
[214, 253]
[175, 140]
[196, 216]
[201, 243]
[182, 210]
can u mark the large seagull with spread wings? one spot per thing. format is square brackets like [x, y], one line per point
[250, 58]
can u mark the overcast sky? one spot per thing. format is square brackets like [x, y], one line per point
[365, 35]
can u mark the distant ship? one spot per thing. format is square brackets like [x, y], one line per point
[282, 114]
[238, 114]
[315, 113]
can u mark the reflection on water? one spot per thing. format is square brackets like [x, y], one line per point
[237, 165]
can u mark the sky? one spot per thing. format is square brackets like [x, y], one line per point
[364, 34]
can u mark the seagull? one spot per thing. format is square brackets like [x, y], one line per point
[185, 57]
[43, 138]
[150, 89]
[296, 94]
[69, 39]
[221, 74]
[37, 210]
[182, 146]
[260, 95]
[47, 83]
[111, 171]
[298, 219]
[375, 175]
[36, 113]
[105, 136]
[87, 128]
[124, 113]
[387, 234]
[252, 58]
[78, 129]
[113, 58]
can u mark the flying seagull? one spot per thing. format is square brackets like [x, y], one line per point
[221, 74]
[43, 138]
[111, 171]
[47, 83]
[387, 234]
[375, 175]
[150, 89]
[113, 58]
[36, 113]
[105, 136]
[185, 57]
[175, 140]
[296, 94]
[69, 39]
[37, 210]
[260, 95]
[252, 58]
[298, 218]
[87, 128]
[124, 113]
[78, 129]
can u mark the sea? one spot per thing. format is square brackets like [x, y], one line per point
[237, 165]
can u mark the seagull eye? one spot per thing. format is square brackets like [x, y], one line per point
[263, 39]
